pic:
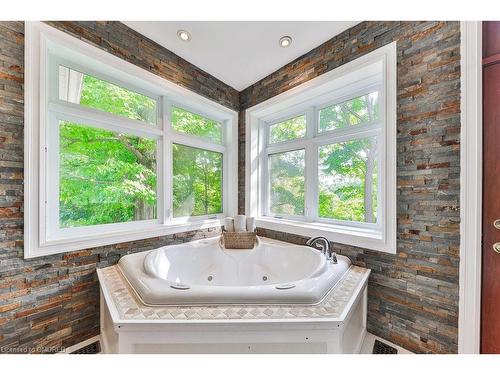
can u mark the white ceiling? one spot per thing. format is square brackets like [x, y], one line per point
[240, 53]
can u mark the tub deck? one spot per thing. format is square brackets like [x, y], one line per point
[130, 309]
[335, 325]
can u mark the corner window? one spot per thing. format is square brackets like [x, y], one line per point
[100, 169]
[340, 185]
[322, 160]
[116, 153]
[103, 155]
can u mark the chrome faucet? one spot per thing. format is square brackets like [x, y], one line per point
[322, 244]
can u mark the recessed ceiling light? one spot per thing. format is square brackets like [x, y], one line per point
[184, 35]
[285, 41]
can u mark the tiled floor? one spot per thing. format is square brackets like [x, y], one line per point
[370, 340]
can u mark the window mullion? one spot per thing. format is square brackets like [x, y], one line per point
[49, 181]
[98, 118]
[348, 136]
[193, 141]
[311, 166]
[265, 189]
[161, 203]
[315, 165]
[168, 161]
[285, 147]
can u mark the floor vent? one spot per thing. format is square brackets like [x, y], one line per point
[93, 348]
[381, 348]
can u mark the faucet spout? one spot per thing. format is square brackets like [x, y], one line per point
[322, 244]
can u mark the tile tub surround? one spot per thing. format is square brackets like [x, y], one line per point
[130, 308]
[52, 302]
[335, 325]
[413, 295]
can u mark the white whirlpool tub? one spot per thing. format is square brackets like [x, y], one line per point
[199, 298]
[202, 272]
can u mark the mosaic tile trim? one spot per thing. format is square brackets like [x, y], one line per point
[130, 308]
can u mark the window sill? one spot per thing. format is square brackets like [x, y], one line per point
[116, 237]
[360, 237]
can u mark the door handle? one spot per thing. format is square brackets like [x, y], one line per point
[496, 223]
[496, 247]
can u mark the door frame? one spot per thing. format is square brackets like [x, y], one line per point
[469, 317]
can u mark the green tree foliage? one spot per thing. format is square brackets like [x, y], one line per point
[191, 123]
[197, 186]
[109, 177]
[360, 110]
[287, 130]
[286, 173]
[347, 171]
[105, 177]
[197, 173]
[113, 99]
[347, 180]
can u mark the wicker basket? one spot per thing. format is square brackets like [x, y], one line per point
[238, 240]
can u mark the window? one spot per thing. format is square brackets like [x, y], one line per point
[197, 181]
[104, 176]
[102, 147]
[347, 180]
[361, 110]
[86, 90]
[292, 128]
[191, 123]
[117, 153]
[342, 181]
[322, 160]
[286, 180]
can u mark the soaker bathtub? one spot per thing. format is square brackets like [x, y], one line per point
[203, 273]
[199, 298]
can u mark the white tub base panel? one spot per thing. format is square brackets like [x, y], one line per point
[337, 325]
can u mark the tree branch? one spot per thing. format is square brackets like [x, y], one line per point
[344, 106]
[143, 160]
[80, 178]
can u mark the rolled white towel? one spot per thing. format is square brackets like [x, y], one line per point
[229, 224]
[250, 224]
[240, 223]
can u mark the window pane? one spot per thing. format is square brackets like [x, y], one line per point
[286, 176]
[348, 180]
[191, 123]
[287, 130]
[105, 177]
[80, 88]
[360, 110]
[197, 181]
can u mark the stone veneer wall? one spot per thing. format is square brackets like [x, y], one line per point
[53, 301]
[413, 295]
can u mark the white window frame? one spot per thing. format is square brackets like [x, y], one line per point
[375, 71]
[46, 48]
